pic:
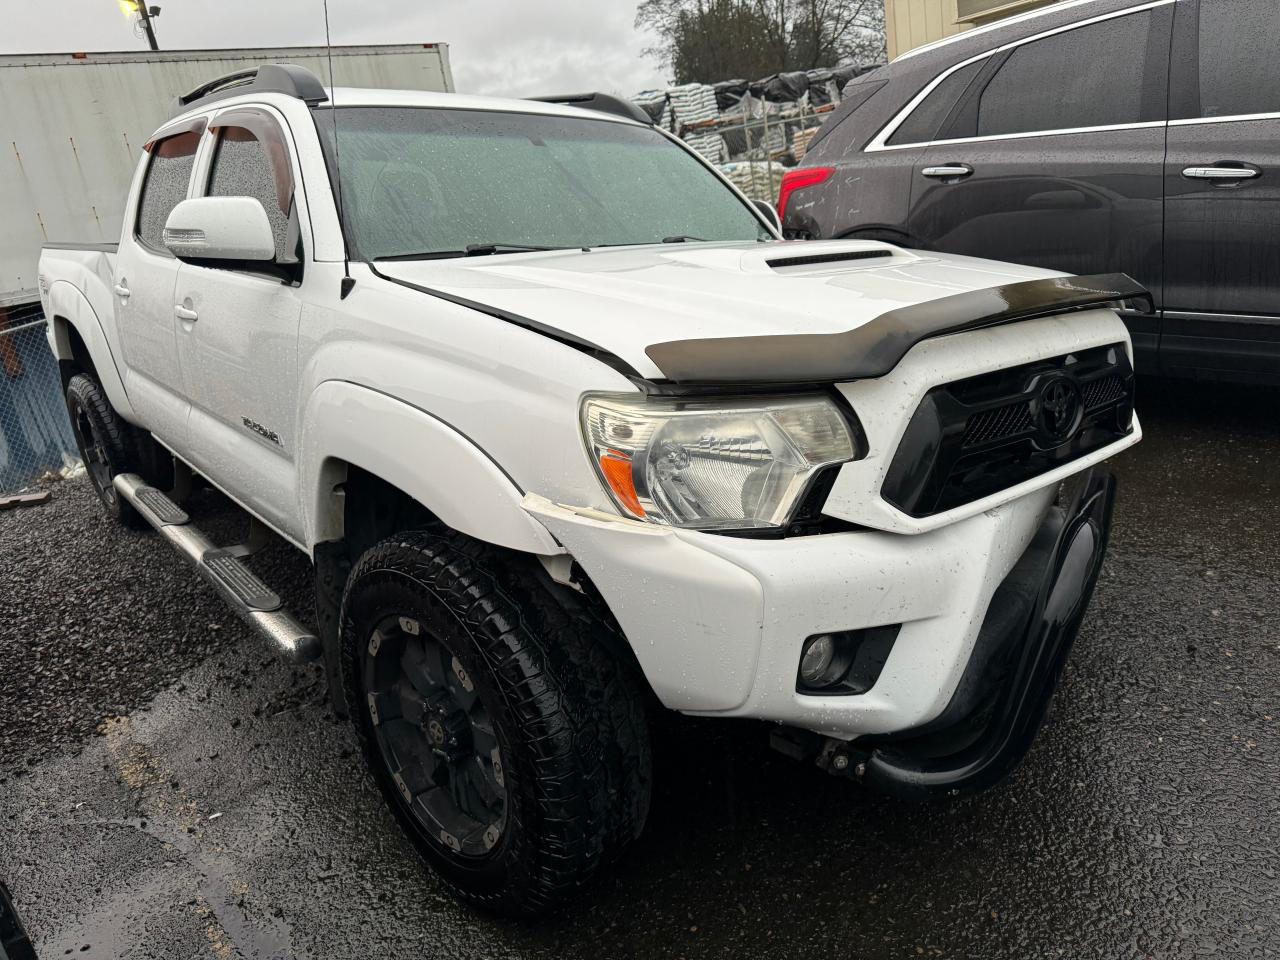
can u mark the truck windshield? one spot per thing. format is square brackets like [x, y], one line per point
[432, 182]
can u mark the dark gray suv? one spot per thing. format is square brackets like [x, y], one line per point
[1092, 136]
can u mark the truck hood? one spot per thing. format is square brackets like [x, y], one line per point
[627, 300]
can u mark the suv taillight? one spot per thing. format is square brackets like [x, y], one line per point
[798, 180]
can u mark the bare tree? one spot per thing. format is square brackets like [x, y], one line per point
[708, 40]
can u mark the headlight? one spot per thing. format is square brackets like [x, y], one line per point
[713, 465]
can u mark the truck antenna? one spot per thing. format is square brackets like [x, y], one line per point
[348, 281]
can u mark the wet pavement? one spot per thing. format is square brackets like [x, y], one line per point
[168, 790]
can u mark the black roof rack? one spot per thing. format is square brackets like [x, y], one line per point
[602, 102]
[287, 78]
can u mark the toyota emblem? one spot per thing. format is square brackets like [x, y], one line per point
[1058, 410]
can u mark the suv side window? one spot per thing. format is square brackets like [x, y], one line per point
[927, 118]
[1088, 77]
[168, 177]
[251, 159]
[1238, 74]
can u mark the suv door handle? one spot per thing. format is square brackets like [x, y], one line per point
[948, 171]
[1222, 173]
[122, 290]
[185, 313]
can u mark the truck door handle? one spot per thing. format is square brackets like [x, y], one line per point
[949, 171]
[122, 291]
[185, 313]
[1222, 173]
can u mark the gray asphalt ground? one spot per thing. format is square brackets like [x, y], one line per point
[168, 790]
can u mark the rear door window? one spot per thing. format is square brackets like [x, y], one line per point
[167, 180]
[927, 118]
[1238, 71]
[1088, 77]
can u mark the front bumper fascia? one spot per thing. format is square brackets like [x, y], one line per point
[718, 623]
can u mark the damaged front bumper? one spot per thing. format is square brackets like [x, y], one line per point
[982, 614]
[1004, 694]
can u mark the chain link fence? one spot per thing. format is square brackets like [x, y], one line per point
[35, 433]
[766, 144]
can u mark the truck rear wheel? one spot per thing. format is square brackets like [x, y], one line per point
[107, 445]
[515, 760]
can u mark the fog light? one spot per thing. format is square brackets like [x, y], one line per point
[846, 662]
[817, 660]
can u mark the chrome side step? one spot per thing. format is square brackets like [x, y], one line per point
[255, 602]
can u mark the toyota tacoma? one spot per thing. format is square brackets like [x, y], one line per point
[569, 433]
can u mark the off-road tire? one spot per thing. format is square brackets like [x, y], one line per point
[567, 715]
[108, 445]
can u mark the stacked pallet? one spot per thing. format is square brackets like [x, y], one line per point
[800, 142]
[694, 105]
[758, 179]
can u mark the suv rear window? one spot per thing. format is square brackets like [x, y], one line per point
[927, 118]
[1088, 77]
[1238, 74]
[168, 177]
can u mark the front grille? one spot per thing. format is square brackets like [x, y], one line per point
[1099, 393]
[998, 423]
[975, 437]
[1016, 419]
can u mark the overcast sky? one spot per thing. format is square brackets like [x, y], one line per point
[495, 46]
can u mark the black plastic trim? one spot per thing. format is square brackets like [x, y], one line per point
[601, 103]
[862, 655]
[287, 78]
[287, 274]
[875, 348]
[990, 735]
[816, 258]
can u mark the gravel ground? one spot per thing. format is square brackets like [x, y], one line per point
[96, 619]
[167, 790]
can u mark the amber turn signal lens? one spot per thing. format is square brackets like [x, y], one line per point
[616, 468]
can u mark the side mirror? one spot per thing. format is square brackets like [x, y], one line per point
[220, 228]
[770, 213]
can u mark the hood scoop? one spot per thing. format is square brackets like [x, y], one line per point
[813, 259]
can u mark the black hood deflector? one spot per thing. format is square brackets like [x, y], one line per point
[875, 348]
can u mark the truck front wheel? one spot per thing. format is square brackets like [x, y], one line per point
[486, 722]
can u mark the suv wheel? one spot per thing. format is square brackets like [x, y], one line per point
[491, 729]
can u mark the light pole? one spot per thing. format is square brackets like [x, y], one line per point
[144, 14]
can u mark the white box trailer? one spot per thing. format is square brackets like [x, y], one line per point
[72, 127]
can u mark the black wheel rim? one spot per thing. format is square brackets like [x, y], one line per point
[436, 737]
[94, 454]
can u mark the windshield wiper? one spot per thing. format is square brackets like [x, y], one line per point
[485, 249]
[471, 250]
[682, 238]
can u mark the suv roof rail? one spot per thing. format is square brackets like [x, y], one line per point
[602, 103]
[287, 78]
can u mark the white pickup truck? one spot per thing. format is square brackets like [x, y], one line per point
[567, 431]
